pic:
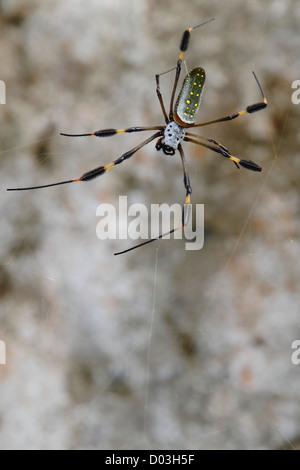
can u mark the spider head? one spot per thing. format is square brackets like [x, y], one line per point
[165, 148]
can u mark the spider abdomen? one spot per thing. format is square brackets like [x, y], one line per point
[189, 98]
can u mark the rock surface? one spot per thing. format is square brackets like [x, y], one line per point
[161, 348]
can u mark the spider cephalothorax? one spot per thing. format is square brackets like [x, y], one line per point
[173, 135]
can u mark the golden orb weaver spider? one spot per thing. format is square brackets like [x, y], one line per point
[181, 116]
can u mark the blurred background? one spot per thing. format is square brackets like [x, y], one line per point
[161, 348]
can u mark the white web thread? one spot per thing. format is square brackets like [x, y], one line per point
[147, 375]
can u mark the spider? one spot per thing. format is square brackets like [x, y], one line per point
[182, 116]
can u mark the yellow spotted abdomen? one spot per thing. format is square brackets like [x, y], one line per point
[189, 98]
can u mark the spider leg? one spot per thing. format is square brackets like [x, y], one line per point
[208, 139]
[110, 132]
[252, 108]
[186, 210]
[183, 47]
[219, 148]
[159, 95]
[89, 175]
[186, 181]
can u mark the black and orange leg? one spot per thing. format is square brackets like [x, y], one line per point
[159, 95]
[253, 108]
[111, 132]
[186, 211]
[220, 149]
[183, 47]
[89, 175]
[207, 139]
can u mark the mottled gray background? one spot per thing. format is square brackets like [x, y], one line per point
[161, 348]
